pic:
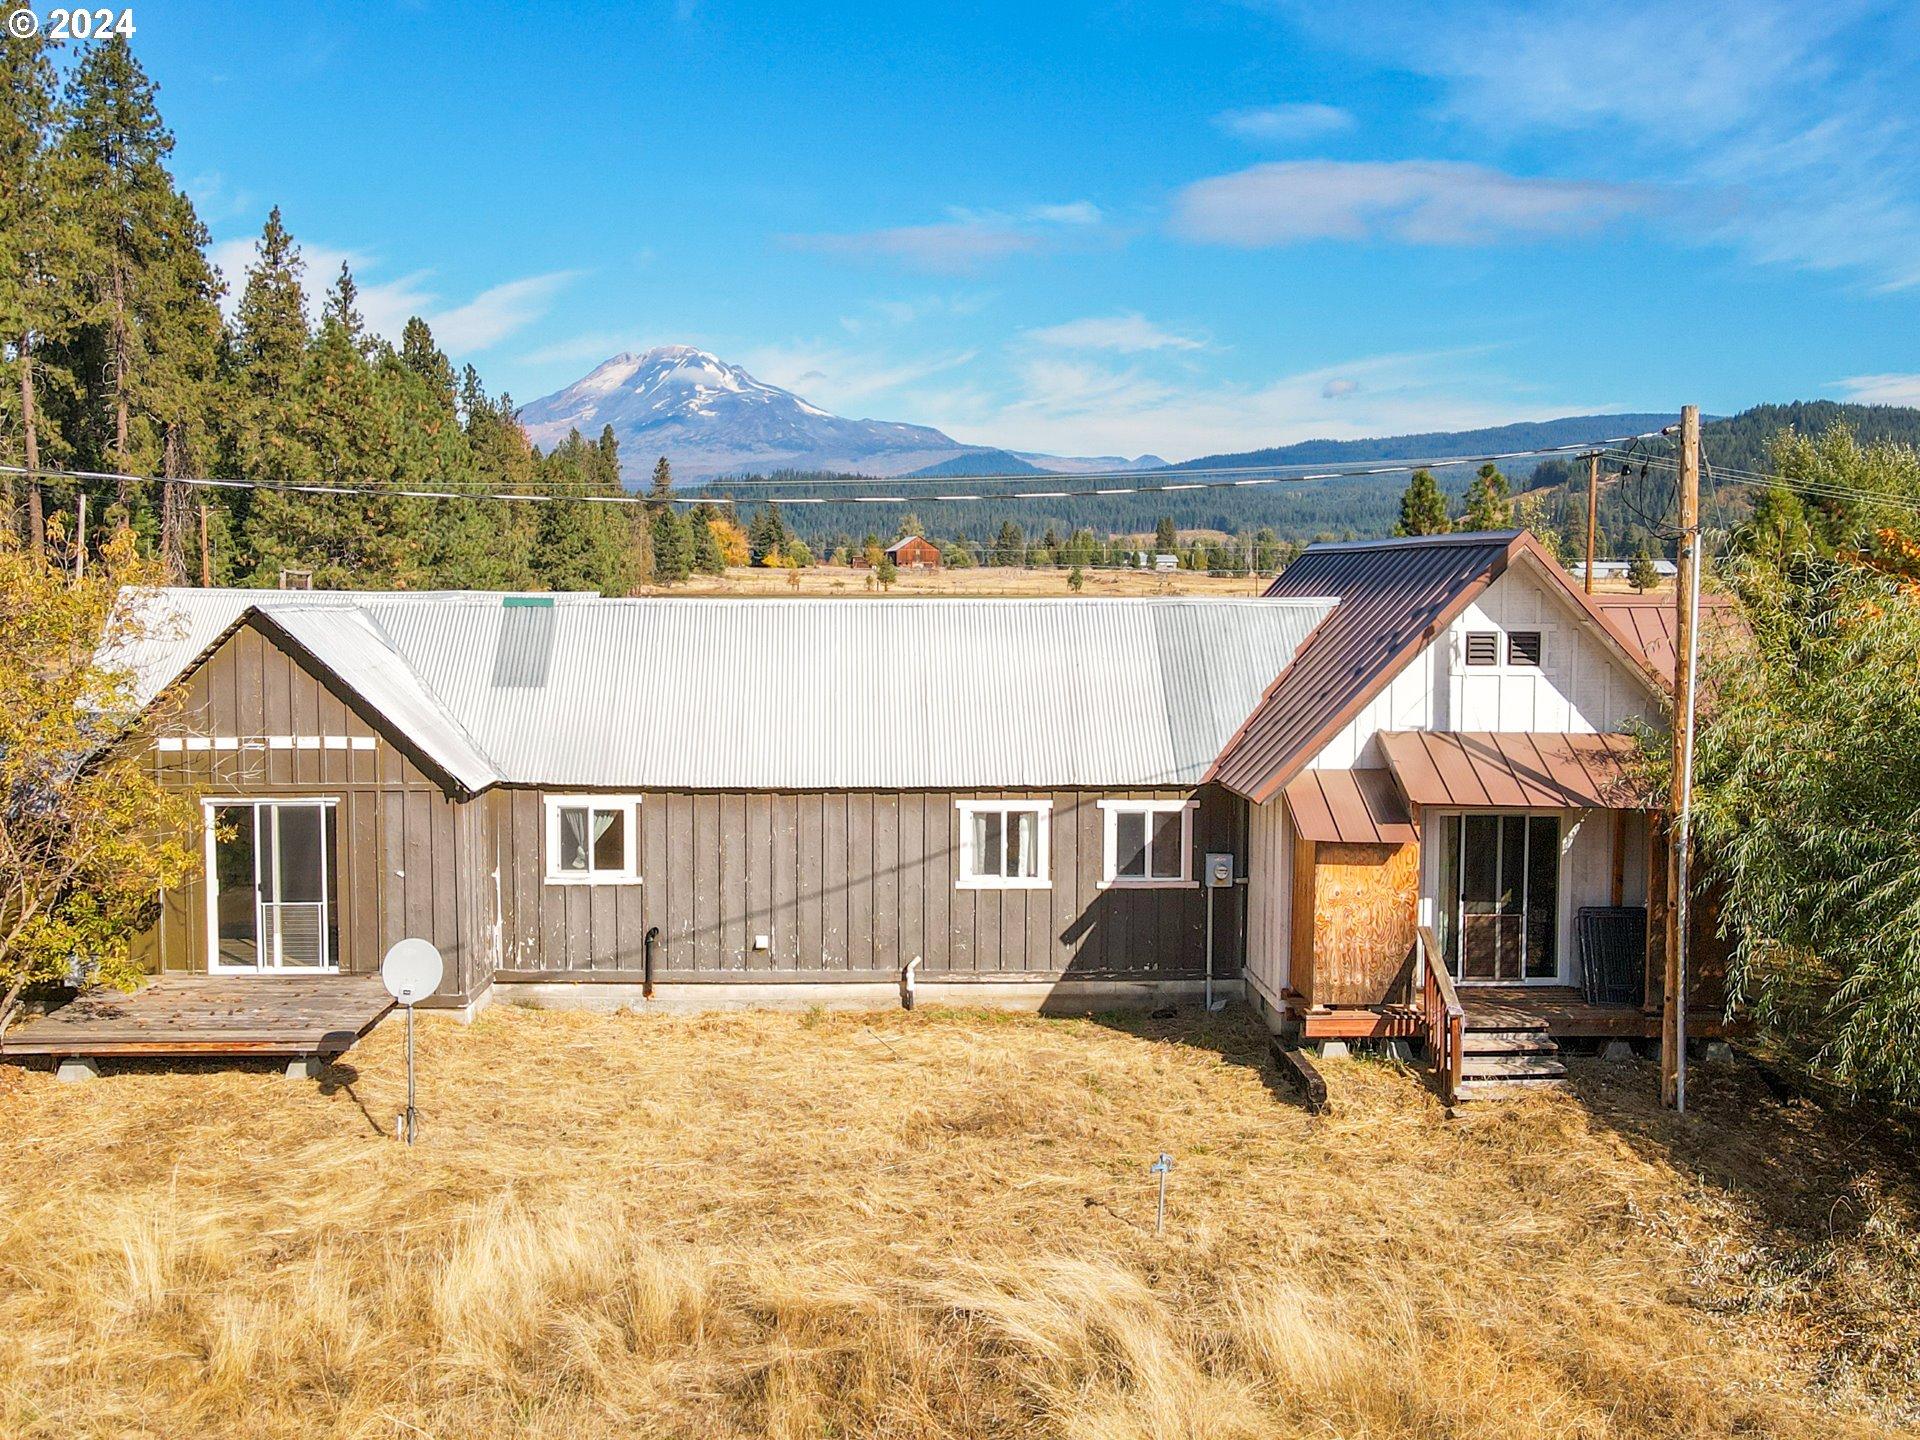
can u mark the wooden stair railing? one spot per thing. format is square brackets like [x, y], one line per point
[1443, 1020]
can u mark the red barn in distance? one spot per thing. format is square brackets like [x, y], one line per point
[913, 553]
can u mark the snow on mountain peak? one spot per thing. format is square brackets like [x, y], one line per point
[710, 418]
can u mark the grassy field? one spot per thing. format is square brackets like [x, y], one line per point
[974, 580]
[830, 580]
[934, 1225]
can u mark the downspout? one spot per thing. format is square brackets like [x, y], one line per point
[906, 983]
[646, 975]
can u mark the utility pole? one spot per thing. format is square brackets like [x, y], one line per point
[80, 541]
[1686, 650]
[1593, 510]
[206, 560]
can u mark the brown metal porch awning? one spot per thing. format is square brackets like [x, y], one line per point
[1518, 770]
[1354, 807]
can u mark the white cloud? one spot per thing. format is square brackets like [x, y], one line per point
[1789, 126]
[1073, 405]
[497, 312]
[1077, 212]
[1881, 389]
[967, 241]
[898, 313]
[1284, 124]
[386, 305]
[590, 349]
[1127, 334]
[846, 381]
[1419, 202]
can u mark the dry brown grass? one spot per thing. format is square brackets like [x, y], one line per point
[931, 1225]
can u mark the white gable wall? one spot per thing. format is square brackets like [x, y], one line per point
[1580, 686]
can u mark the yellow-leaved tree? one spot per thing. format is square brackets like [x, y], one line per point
[87, 836]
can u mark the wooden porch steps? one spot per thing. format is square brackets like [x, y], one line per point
[1504, 1053]
[1508, 1042]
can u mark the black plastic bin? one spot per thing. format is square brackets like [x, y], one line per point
[1613, 953]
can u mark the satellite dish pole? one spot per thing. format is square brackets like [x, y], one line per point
[411, 971]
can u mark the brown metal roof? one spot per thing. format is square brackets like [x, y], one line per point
[1360, 807]
[1394, 595]
[1514, 770]
[1647, 624]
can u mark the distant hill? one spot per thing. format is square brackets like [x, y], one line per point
[1440, 444]
[978, 462]
[1633, 507]
[1348, 508]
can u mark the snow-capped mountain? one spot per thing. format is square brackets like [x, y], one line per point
[711, 418]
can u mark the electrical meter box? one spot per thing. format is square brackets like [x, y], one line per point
[1219, 871]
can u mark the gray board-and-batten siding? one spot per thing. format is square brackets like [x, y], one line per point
[845, 884]
[853, 884]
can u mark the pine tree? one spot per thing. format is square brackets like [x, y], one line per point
[266, 349]
[1423, 508]
[1010, 547]
[503, 462]
[767, 535]
[1641, 574]
[1488, 502]
[672, 546]
[424, 359]
[1165, 538]
[347, 428]
[582, 545]
[707, 558]
[113, 151]
[35, 241]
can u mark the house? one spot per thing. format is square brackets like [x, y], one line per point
[913, 553]
[1619, 569]
[1443, 780]
[1413, 753]
[572, 796]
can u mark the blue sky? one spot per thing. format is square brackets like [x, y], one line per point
[1098, 229]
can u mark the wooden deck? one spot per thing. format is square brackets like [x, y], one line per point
[178, 1015]
[1509, 1007]
[1568, 1016]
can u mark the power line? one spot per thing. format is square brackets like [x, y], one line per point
[1250, 476]
[1823, 489]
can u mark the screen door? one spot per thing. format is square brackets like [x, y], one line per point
[273, 893]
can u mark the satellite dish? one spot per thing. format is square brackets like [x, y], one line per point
[412, 971]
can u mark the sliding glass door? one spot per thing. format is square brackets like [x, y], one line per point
[1498, 898]
[272, 902]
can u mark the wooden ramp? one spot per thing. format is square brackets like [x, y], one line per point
[181, 1015]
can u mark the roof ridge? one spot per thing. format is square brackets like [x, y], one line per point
[1418, 542]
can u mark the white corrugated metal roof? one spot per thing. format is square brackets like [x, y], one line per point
[796, 694]
[346, 640]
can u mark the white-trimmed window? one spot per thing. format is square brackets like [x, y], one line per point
[593, 839]
[1003, 844]
[1149, 842]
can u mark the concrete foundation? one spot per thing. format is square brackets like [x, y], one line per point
[1399, 1050]
[1719, 1053]
[1617, 1050]
[305, 1067]
[1049, 997]
[466, 1014]
[1334, 1050]
[78, 1067]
